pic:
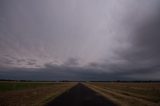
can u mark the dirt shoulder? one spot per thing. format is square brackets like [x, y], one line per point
[124, 98]
[80, 95]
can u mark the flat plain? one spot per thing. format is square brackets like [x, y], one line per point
[79, 94]
[129, 94]
[30, 93]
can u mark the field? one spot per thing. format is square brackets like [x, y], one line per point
[30, 93]
[79, 94]
[129, 94]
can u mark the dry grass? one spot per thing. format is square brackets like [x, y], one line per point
[130, 94]
[31, 94]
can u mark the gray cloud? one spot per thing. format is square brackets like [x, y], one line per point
[20, 60]
[107, 39]
[54, 72]
[71, 62]
[31, 62]
[145, 52]
[142, 57]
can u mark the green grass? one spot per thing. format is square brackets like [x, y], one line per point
[11, 86]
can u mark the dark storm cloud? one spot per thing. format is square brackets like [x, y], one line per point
[21, 60]
[9, 61]
[107, 39]
[31, 62]
[54, 72]
[71, 62]
[147, 41]
[6, 61]
[143, 56]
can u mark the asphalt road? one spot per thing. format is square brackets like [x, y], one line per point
[80, 95]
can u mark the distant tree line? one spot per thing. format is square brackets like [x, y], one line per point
[118, 81]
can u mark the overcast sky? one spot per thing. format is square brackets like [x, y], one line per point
[80, 39]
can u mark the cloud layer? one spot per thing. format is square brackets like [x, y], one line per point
[80, 40]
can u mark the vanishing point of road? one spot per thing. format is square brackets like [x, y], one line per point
[80, 95]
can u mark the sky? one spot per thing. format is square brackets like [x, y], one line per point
[80, 39]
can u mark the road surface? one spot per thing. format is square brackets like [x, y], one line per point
[80, 95]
